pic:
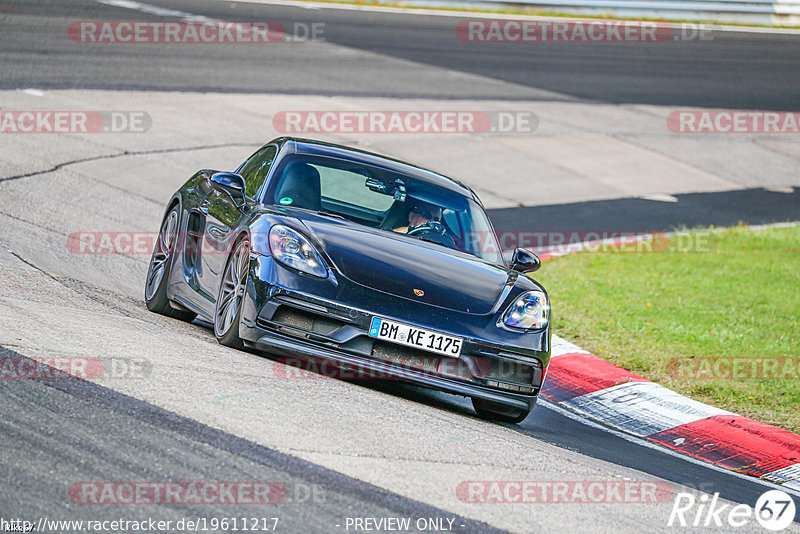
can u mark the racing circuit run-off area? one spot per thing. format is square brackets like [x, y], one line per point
[341, 267]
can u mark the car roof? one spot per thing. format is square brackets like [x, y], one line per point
[313, 147]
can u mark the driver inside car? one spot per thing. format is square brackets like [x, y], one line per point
[419, 214]
[424, 222]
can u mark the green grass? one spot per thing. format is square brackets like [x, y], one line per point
[733, 293]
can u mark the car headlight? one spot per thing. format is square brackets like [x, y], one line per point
[530, 310]
[293, 250]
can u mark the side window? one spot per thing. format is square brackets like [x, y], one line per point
[256, 169]
[451, 221]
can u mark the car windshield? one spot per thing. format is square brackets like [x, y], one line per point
[379, 198]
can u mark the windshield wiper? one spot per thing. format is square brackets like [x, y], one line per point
[331, 214]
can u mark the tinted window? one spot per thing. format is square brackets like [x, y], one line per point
[347, 186]
[256, 169]
[384, 199]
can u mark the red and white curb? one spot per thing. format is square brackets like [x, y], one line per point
[594, 388]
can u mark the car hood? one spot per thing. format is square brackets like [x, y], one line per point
[403, 266]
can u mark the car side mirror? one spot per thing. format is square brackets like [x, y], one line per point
[230, 182]
[525, 261]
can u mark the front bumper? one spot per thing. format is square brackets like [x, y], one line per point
[290, 346]
[291, 316]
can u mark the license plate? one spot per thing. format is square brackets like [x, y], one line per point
[419, 338]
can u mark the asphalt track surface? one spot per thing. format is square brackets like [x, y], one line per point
[637, 215]
[97, 433]
[112, 433]
[732, 70]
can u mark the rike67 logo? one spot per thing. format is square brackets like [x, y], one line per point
[774, 510]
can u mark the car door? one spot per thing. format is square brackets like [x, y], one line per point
[223, 216]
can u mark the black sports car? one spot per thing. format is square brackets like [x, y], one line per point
[327, 252]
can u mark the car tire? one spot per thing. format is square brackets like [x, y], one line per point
[155, 287]
[494, 411]
[228, 310]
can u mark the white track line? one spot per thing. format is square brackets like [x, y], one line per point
[155, 10]
[501, 16]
